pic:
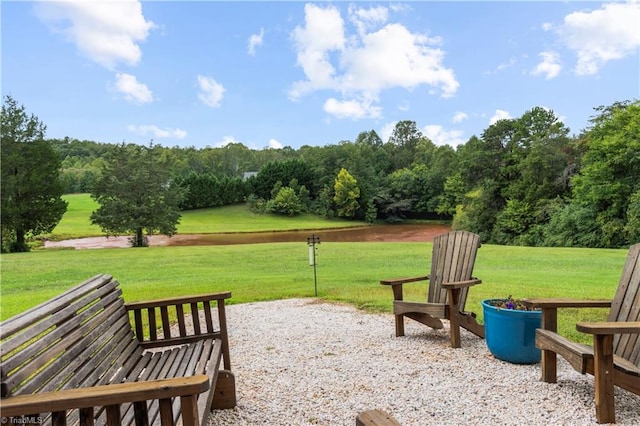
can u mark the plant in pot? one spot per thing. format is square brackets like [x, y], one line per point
[510, 330]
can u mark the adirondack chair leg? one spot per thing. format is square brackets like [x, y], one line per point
[454, 322]
[549, 358]
[399, 325]
[603, 374]
[397, 295]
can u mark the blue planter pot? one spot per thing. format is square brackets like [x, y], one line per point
[511, 334]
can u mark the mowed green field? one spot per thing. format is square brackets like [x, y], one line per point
[347, 272]
[76, 222]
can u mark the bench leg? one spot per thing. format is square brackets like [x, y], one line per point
[225, 394]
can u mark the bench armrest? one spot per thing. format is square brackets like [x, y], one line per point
[399, 281]
[178, 300]
[461, 284]
[616, 327]
[154, 333]
[566, 303]
[103, 396]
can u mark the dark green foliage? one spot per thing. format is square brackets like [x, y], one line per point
[204, 190]
[283, 172]
[31, 185]
[136, 195]
[610, 172]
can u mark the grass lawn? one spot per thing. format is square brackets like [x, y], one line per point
[237, 218]
[347, 272]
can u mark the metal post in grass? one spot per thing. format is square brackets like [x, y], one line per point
[311, 243]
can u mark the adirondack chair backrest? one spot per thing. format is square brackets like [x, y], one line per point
[626, 307]
[453, 257]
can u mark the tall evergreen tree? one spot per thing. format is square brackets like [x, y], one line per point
[136, 195]
[31, 185]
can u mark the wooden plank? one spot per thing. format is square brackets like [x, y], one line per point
[63, 353]
[208, 317]
[181, 322]
[166, 414]
[152, 324]
[222, 322]
[166, 325]
[179, 300]
[44, 333]
[195, 316]
[376, 418]
[45, 309]
[603, 366]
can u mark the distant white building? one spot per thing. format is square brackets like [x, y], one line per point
[247, 175]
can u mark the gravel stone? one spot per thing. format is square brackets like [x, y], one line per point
[310, 362]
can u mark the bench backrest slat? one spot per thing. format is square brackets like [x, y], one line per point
[46, 309]
[69, 340]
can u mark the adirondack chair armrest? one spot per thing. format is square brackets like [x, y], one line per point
[400, 281]
[605, 328]
[103, 396]
[461, 284]
[546, 303]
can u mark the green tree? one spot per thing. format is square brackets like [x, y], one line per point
[346, 195]
[31, 184]
[610, 171]
[136, 195]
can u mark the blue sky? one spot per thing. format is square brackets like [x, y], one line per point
[274, 74]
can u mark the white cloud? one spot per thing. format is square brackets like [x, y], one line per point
[108, 33]
[502, 66]
[459, 117]
[439, 136]
[367, 19]
[156, 132]
[255, 41]
[387, 130]
[226, 140]
[550, 66]
[211, 92]
[132, 90]
[274, 143]
[351, 109]
[359, 66]
[602, 35]
[547, 26]
[500, 114]
[323, 32]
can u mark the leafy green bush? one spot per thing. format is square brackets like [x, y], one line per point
[285, 203]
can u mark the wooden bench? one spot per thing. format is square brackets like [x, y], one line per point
[76, 359]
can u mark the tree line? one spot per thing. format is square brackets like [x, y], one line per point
[523, 181]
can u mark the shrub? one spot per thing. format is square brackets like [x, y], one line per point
[286, 203]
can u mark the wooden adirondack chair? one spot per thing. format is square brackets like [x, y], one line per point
[452, 262]
[614, 359]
